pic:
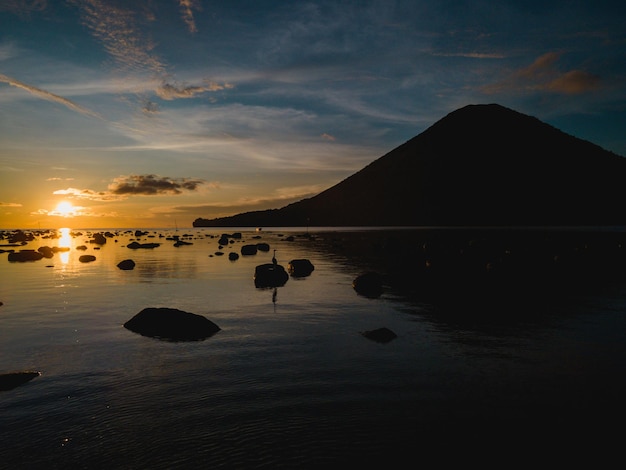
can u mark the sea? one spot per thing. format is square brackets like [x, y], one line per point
[494, 377]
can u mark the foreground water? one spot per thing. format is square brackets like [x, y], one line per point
[289, 381]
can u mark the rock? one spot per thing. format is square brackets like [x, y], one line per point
[233, 256]
[171, 324]
[137, 245]
[126, 264]
[46, 251]
[98, 239]
[86, 258]
[25, 255]
[270, 275]
[300, 267]
[247, 250]
[21, 237]
[263, 246]
[369, 284]
[81, 247]
[15, 379]
[380, 335]
[182, 243]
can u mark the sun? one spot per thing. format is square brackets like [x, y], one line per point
[65, 209]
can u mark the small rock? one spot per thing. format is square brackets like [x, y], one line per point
[126, 264]
[380, 335]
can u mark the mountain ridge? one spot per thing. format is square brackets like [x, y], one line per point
[480, 165]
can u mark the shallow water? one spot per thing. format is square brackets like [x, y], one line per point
[289, 381]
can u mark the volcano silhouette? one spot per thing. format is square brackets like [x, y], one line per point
[481, 165]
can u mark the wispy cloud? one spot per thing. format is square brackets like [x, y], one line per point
[10, 204]
[117, 29]
[168, 91]
[46, 95]
[187, 7]
[23, 7]
[88, 194]
[472, 55]
[544, 75]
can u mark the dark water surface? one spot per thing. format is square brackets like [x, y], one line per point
[523, 367]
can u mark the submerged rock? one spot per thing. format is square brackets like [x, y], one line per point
[270, 275]
[369, 284]
[86, 258]
[171, 324]
[380, 335]
[15, 379]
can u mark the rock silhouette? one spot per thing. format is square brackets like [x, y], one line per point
[270, 275]
[171, 324]
[380, 335]
[15, 379]
[126, 265]
[25, 255]
[300, 267]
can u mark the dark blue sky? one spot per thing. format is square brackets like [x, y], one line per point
[139, 113]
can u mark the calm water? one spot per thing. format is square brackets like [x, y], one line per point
[289, 381]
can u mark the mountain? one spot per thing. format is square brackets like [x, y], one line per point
[481, 165]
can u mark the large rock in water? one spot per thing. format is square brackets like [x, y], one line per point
[300, 267]
[270, 275]
[25, 255]
[171, 324]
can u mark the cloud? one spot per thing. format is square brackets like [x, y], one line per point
[544, 75]
[123, 187]
[23, 7]
[56, 178]
[10, 204]
[472, 55]
[116, 28]
[574, 82]
[329, 137]
[151, 185]
[88, 194]
[186, 8]
[46, 95]
[168, 91]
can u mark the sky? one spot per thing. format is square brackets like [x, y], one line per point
[152, 113]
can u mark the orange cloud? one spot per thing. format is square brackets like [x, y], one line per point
[544, 75]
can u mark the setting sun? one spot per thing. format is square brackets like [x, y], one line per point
[65, 209]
